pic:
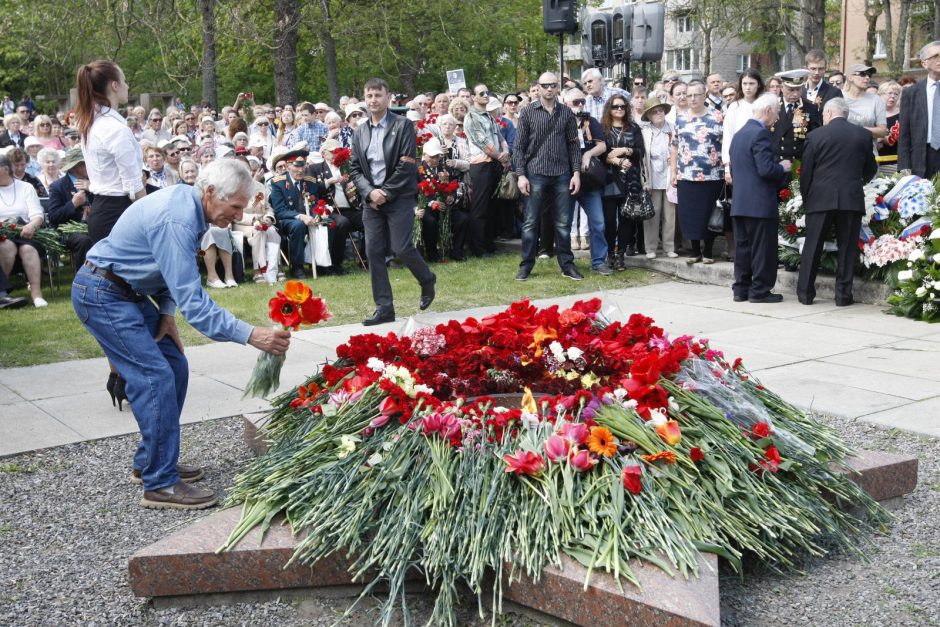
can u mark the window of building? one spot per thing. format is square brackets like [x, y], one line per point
[682, 59]
[880, 50]
[684, 23]
[744, 62]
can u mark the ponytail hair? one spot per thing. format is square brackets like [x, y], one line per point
[91, 82]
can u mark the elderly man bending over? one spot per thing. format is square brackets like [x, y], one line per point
[126, 295]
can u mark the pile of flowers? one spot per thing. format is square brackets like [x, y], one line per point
[918, 283]
[618, 444]
[894, 225]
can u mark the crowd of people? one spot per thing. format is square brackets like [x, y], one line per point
[665, 145]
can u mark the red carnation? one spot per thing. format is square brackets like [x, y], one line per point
[696, 454]
[792, 229]
[785, 194]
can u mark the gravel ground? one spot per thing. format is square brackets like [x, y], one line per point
[70, 520]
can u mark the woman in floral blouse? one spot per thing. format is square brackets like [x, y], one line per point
[697, 171]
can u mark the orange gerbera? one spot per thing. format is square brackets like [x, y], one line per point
[667, 456]
[602, 442]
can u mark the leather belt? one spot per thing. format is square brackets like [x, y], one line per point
[121, 283]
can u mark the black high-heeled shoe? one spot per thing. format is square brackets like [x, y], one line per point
[119, 392]
[112, 381]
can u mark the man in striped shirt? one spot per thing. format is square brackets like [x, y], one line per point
[547, 158]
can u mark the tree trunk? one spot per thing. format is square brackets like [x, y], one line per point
[329, 48]
[209, 85]
[936, 21]
[706, 51]
[286, 24]
[889, 28]
[872, 13]
[900, 46]
[818, 24]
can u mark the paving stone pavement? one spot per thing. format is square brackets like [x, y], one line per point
[856, 362]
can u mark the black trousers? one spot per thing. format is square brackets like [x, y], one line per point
[5, 285]
[389, 230]
[933, 162]
[105, 211]
[78, 244]
[483, 180]
[847, 225]
[755, 256]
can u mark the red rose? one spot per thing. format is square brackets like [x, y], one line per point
[785, 194]
[792, 229]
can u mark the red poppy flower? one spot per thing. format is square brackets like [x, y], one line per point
[285, 312]
[314, 310]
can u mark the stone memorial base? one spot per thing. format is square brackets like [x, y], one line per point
[185, 564]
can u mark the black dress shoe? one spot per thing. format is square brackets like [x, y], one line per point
[769, 298]
[338, 270]
[427, 294]
[298, 274]
[804, 300]
[12, 302]
[845, 303]
[379, 317]
[739, 299]
[572, 273]
[523, 274]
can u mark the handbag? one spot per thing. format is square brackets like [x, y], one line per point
[595, 177]
[508, 186]
[716, 221]
[638, 204]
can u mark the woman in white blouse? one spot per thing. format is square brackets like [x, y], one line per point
[750, 87]
[112, 155]
[19, 203]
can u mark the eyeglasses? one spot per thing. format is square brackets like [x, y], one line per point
[172, 154]
[617, 107]
[691, 95]
[933, 57]
[637, 83]
[578, 102]
[548, 85]
[156, 119]
[261, 124]
[45, 124]
[321, 111]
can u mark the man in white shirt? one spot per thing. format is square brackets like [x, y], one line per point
[919, 142]
[598, 93]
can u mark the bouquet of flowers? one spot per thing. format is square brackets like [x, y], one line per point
[73, 227]
[291, 308]
[47, 238]
[434, 188]
[321, 212]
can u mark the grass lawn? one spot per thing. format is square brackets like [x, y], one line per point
[40, 336]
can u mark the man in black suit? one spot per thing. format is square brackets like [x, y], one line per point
[384, 168]
[797, 117]
[69, 200]
[754, 209]
[919, 141]
[837, 162]
[817, 90]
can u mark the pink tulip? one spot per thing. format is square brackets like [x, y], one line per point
[576, 432]
[380, 421]
[556, 448]
[524, 463]
[582, 460]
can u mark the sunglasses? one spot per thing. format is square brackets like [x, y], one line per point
[637, 83]
[578, 102]
[261, 124]
[548, 85]
[156, 119]
[185, 149]
[322, 111]
[618, 107]
[46, 124]
[510, 102]
[673, 79]
[172, 154]
[482, 93]
[355, 115]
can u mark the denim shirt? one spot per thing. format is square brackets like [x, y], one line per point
[153, 247]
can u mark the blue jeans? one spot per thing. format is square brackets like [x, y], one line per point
[555, 188]
[157, 373]
[593, 206]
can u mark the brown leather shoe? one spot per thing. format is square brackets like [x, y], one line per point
[189, 474]
[179, 496]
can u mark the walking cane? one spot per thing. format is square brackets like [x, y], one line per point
[353, 242]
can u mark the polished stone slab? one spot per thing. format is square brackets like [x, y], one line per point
[186, 564]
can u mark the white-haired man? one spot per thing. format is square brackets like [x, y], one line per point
[598, 93]
[126, 295]
[919, 143]
[754, 209]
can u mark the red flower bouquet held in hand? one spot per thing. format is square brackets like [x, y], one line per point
[290, 309]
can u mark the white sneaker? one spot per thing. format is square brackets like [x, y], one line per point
[543, 256]
[231, 283]
[651, 255]
[40, 302]
[217, 284]
[672, 255]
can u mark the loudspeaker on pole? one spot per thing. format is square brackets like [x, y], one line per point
[560, 16]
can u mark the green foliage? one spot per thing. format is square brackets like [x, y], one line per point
[159, 45]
